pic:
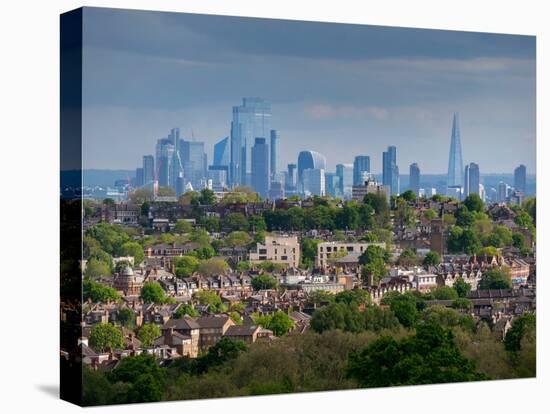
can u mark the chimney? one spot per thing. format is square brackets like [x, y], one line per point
[168, 332]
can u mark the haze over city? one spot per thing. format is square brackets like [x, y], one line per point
[341, 90]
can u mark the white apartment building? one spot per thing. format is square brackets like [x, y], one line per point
[326, 250]
[277, 249]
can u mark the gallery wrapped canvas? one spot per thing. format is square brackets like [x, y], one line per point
[260, 206]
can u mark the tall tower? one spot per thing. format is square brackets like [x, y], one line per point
[251, 120]
[260, 167]
[520, 178]
[361, 166]
[390, 170]
[455, 171]
[274, 153]
[471, 179]
[414, 178]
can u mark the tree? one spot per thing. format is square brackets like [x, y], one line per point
[346, 218]
[212, 267]
[518, 241]
[186, 265]
[377, 201]
[408, 195]
[488, 251]
[497, 278]
[210, 298]
[520, 327]
[140, 196]
[243, 266]
[152, 292]
[474, 203]
[264, 282]
[235, 222]
[524, 220]
[97, 268]
[404, 308]
[373, 260]
[185, 309]
[148, 333]
[280, 323]
[135, 250]
[432, 258]
[430, 214]
[309, 251]
[462, 288]
[207, 197]
[211, 224]
[104, 336]
[430, 356]
[98, 292]
[407, 258]
[256, 224]
[126, 317]
[470, 242]
[237, 239]
[165, 192]
[183, 226]
[444, 293]
[404, 214]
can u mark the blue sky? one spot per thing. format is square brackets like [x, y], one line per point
[338, 89]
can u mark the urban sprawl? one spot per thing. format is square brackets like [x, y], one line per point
[237, 278]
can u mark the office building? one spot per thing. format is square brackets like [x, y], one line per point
[390, 170]
[138, 182]
[520, 178]
[313, 182]
[274, 153]
[251, 120]
[222, 153]
[414, 178]
[471, 180]
[309, 160]
[332, 185]
[260, 167]
[194, 163]
[361, 169]
[148, 170]
[345, 172]
[455, 169]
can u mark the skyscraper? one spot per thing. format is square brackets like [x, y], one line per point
[345, 172]
[139, 178]
[260, 167]
[309, 160]
[290, 179]
[274, 153]
[164, 157]
[520, 178]
[148, 170]
[176, 174]
[251, 120]
[455, 169]
[471, 179]
[194, 162]
[390, 170]
[414, 178]
[314, 181]
[332, 185]
[361, 166]
[221, 153]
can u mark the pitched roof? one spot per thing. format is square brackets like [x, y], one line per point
[181, 324]
[242, 330]
[212, 321]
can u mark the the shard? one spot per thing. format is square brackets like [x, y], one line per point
[455, 171]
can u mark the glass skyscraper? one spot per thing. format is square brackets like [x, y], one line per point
[222, 153]
[164, 157]
[148, 169]
[414, 178]
[471, 179]
[345, 172]
[260, 167]
[309, 160]
[520, 178]
[361, 166]
[274, 153]
[390, 170]
[251, 120]
[456, 169]
[194, 163]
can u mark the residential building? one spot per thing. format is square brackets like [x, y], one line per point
[328, 250]
[281, 249]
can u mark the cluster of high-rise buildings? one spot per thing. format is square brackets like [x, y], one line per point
[249, 156]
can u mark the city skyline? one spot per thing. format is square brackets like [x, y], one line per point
[328, 90]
